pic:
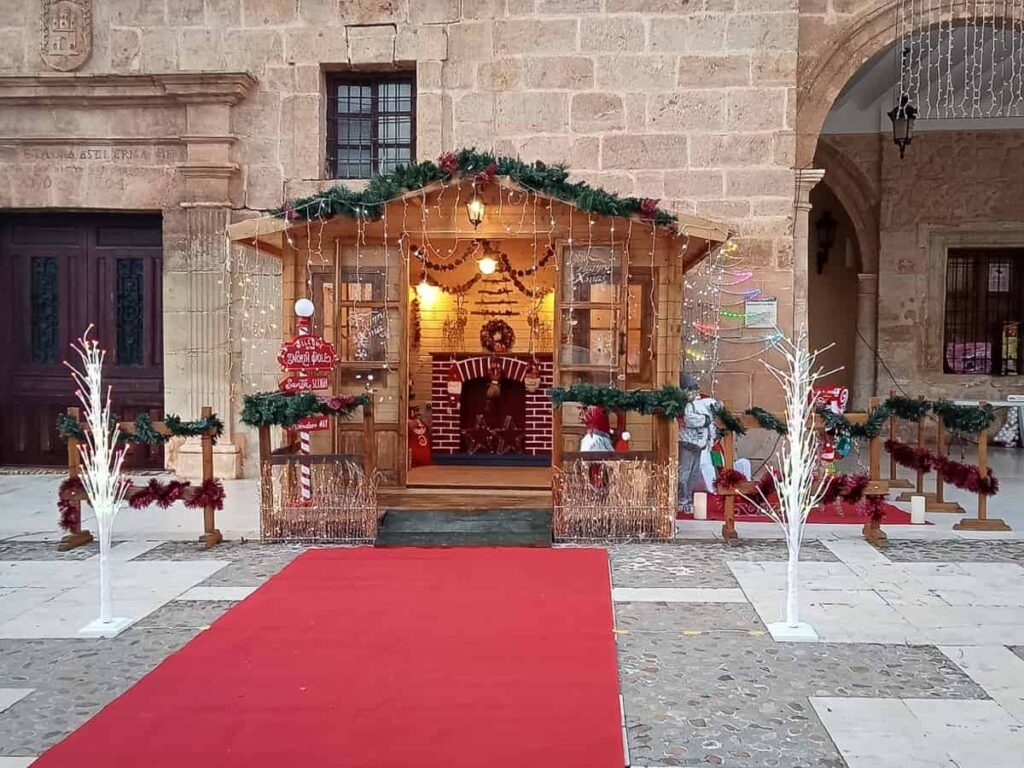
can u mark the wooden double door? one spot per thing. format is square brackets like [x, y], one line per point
[59, 273]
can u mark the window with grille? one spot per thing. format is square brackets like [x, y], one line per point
[984, 311]
[371, 123]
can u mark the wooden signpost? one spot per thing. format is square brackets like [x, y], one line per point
[309, 359]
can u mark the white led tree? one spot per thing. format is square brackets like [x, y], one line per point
[101, 469]
[798, 488]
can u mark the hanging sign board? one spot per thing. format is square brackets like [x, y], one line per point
[761, 313]
[308, 383]
[312, 424]
[309, 353]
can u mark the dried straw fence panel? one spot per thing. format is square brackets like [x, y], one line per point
[613, 497]
[343, 507]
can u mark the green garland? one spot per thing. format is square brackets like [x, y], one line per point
[963, 419]
[669, 400]
[767, 420]
[729, 421]
[268, 409]
[144, 433]
[908, 408]
[549, 180]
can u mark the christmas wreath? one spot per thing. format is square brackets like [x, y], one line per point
[497, 336]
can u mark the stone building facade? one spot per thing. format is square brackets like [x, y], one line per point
[208, 111]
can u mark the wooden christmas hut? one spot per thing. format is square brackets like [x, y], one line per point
[457, 293]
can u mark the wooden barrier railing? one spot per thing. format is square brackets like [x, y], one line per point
[982, 522]
[77, 537]
[877, 486]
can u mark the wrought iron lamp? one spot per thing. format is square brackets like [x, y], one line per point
[475, 210]
[826, 228]
[903, 117]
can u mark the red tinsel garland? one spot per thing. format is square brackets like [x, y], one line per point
[966, 477]
[70, 513]
[909, 456]
[729, 480]
[210, 493]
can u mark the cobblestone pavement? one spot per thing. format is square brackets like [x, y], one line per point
[45, 550]
[703, 683]
[956, 550]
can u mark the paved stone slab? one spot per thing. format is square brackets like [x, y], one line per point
[231, 594]
[11, 696]
[687, 618]
[996, 669]
[673, 595]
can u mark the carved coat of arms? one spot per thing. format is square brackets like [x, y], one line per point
[67, 33]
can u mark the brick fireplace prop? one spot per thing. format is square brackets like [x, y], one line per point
[445, 420]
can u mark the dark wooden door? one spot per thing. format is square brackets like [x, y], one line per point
[59, 272]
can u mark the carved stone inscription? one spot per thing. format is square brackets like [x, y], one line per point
[66, 42]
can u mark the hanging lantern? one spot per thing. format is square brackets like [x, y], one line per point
[475, 210]
[826, 228]
[902, 117]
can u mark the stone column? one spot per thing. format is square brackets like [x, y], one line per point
[197, 288]
[866, 341]
[806, 180]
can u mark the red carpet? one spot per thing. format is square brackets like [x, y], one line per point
[841, 513]
[355, 658]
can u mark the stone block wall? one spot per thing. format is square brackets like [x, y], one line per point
[690, 101]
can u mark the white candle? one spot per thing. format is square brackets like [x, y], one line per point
[700, 506]
[917, 510]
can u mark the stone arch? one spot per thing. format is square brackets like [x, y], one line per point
[858, 196]
[845, 51]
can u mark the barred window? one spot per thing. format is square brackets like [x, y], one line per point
[371, 123]
[984, 311]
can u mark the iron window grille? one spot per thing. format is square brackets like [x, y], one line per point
[371, 123]
[984, 315]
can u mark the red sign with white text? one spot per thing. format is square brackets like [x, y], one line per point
[309, 383]
[310, 353]
[312, 424]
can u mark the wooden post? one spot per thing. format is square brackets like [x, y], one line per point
[369, 440]
[556, 438]
[937, 503]
[76, 537]
[919, 478]
[872, 530]
[874, 447]
[728, 458]
[663, 451]
[983, 522]
[211, 536]
[894, 434]
[266, 478]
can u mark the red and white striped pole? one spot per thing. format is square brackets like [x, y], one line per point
[304, 313]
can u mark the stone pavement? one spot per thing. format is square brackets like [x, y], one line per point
[921, 659]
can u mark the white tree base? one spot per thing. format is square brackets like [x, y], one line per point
[801, 633]
[111, 628]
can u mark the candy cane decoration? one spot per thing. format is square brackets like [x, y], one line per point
[304, 311]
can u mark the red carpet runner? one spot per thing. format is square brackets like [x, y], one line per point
[363, 658]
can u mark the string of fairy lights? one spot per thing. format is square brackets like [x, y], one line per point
[961, 59]
[716, 295]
